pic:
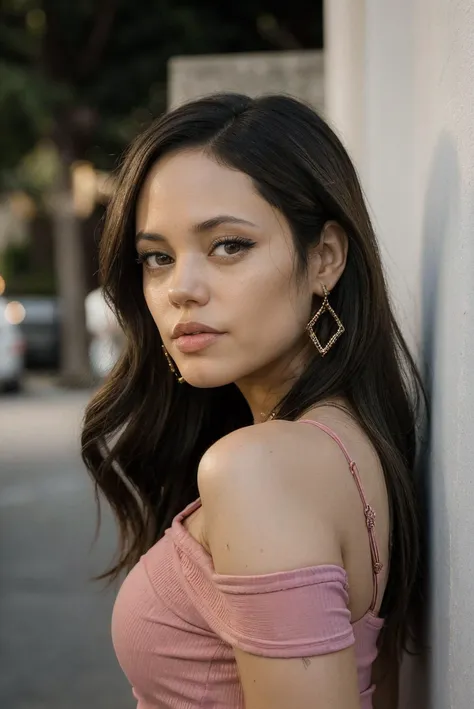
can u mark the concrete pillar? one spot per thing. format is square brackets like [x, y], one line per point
[344, 78]
[369, 59]
[413, 140]
[446, 110]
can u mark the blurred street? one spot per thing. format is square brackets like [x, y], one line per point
[55, 647]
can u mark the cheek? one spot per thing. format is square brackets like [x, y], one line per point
[155, 299]
[275, 311]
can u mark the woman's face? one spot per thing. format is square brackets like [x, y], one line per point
[217, 256]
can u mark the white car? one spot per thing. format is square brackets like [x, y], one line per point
[12, 350]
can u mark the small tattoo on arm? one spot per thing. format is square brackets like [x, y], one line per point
[306, 662]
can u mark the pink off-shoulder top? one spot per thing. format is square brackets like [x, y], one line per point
[176, 621]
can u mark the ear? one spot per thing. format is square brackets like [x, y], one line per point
[329, 258]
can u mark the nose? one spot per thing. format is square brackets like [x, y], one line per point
[188, 286]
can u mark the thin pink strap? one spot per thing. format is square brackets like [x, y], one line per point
[369, 511]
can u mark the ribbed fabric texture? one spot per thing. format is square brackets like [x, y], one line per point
[176, 622]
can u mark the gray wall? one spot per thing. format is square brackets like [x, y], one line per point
[297, 73]
[413, 138]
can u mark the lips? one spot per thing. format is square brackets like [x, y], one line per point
[194, 336]
[195, 343]
[192, 328]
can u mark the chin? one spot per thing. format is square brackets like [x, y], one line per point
[207, 377]
[206, 381]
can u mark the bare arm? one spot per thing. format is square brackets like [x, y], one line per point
[260, 520]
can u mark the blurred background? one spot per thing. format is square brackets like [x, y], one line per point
[78, 80]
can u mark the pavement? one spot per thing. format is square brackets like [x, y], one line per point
[55, 645]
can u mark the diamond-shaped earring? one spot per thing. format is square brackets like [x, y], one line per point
[325, 307]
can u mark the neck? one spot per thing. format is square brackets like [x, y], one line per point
[263, 390]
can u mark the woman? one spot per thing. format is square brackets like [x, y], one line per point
[257, 439]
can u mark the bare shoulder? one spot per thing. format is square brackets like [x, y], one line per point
[271, 444]
[268, 459]
[272, 497]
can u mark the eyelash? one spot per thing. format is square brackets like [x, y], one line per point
[240, 240]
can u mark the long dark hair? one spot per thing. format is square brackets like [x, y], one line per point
[144, 433]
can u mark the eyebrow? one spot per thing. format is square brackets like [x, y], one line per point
[199, 228]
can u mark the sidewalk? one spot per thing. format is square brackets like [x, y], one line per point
[37, 383]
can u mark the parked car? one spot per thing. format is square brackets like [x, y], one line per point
[12, 350]
[42, 330]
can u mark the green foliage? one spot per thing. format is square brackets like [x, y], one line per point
[14, 260]
[22, 113]
[32, 284]
[21, 278]
[90, 73]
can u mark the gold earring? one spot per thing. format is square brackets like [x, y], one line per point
[325, 307]
[180, 379]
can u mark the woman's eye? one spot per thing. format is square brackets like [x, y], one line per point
[154, 261]
[225, 248]
[231, 247]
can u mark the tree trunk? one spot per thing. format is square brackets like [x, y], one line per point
[69, 256]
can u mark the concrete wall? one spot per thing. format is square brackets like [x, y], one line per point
[413, 141]
[297, 73]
